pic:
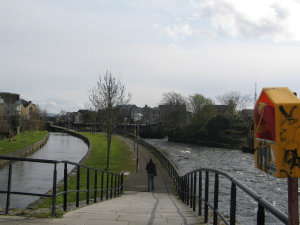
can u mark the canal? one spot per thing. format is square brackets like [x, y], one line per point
[37, 177]
[188, 157]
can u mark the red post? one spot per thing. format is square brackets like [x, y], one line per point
[293, 201]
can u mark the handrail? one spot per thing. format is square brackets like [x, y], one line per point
[114, 182]
[258, 198]
[52, 161]
[28, 159]
[191, 193]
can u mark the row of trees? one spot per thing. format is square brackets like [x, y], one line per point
[200, 106]
[206, 124]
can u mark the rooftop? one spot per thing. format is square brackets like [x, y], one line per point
[9, 98]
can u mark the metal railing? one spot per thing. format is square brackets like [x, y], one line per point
[113, 186]
[190, 189]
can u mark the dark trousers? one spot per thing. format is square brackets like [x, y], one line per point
[150, 181]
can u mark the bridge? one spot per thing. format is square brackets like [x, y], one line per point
[179, 200]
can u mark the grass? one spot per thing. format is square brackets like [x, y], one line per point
[21, 141]
[120, 160]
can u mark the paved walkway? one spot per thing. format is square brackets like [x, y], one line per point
[136, 206]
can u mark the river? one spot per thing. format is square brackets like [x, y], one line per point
[38, 177]
[188, 157]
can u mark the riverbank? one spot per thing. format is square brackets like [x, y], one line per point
[229, 139]
[23, 144]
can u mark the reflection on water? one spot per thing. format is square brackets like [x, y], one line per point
[38, 177]
[240, 165]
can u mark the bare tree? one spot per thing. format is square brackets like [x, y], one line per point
[234, 100]
[43, 114]
[105, 96]
[173, 98]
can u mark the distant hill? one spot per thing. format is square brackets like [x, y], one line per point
[51, 114]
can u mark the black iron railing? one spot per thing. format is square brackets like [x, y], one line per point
[113, 184]
[194, 193]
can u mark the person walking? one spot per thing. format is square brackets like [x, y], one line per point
[151, 171]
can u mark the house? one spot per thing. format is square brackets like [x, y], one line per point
[12, 104]
[166, 115]
[1, 108]
[78, 118]
[28, 109]
[83, 116]
[135, 111]
[150, 115]
[154, 116]
[127, 112]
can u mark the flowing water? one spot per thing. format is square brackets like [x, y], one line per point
[188, 157]
[38, 177]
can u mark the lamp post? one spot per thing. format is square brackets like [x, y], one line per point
[138, 117]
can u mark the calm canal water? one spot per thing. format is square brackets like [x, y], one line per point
[37, 177]
[188, 157]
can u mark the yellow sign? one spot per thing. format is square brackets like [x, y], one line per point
[277, 132]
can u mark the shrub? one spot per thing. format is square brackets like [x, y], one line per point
[216, 125]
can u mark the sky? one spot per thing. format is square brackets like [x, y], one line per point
[53, 52]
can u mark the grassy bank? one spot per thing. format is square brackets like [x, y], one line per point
[121, 159]
[21, 141]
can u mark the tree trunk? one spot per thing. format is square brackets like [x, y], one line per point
[108, 134]
[108, 150]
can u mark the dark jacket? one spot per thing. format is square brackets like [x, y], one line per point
[150, 167]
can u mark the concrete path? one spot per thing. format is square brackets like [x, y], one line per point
[136, 206]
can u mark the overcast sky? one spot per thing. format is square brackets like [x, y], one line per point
[52, 52]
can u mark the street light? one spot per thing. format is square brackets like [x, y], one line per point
[137, 118]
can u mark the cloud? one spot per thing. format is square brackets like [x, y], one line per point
[57, 105]
[253, 19]
[52, 51]
[237, 19]
[180, 30]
